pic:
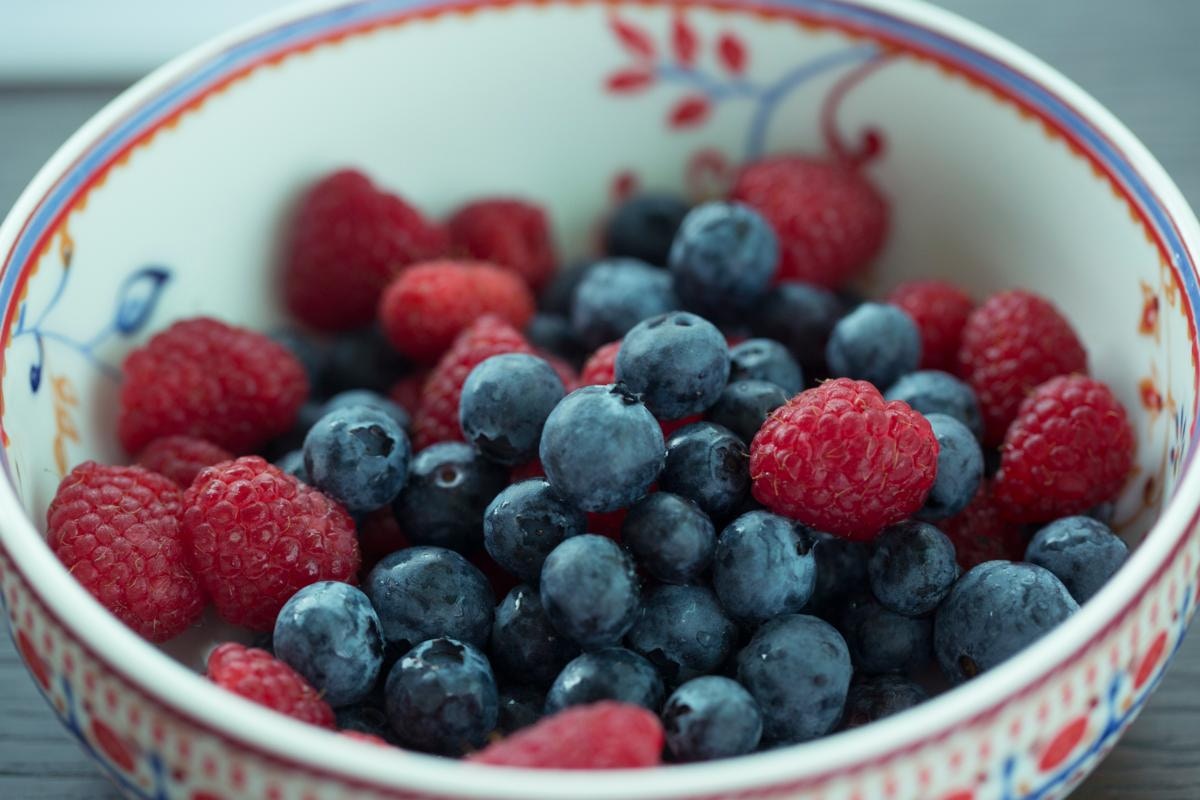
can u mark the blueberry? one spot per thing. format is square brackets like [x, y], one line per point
[709, 465]
[763, 567]
[880, 696]
[424, 592]
[365, 397]
[678, 362]
[841, 570]
[959, 468]
[994, 611]
[312, 354]
[874, 342]
[601, 448]
[765, 360]
[800, 317]
[670, 537]
[617, 294]
[359, 456]
[559, 294]
[553, 333]
[520, 707]
[590, 590]
[912, 567]
[711, 717]
[360, 359]
[1082, 552]
[504, 404]
[330, 634]
[369, 716]
[613, 673]
[442, 698]
[881, 640]
[723, 259]
[644, 226]
[682, 631]
[292, 463]
[798, 669]
[525, 646]
[931, 391]
[525, 522]
[744, 406]
[449, 487]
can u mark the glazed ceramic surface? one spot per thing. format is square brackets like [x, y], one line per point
[1000, 173]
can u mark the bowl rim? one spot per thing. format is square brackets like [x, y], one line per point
[312, 751]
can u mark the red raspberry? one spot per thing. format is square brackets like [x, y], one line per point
[527, 471]
[379, 535]
[436, 419]
[510, 233]
[605, 735]
[200, 377]
[1010, 344]
[566, 373]
[842, 459]
[981, 534]
[940, 310]
[181, 458]
[669, 426]
[607, 523]
[258, 676]
[829, 219]
[347, 241]
[425, 308]
[601, 367]
[259, 535]
[116, 530]
[407, 391]
[1070, 448]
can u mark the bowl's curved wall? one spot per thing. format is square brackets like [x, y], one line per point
[170, 205]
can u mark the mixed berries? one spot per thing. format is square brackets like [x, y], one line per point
[687, 501]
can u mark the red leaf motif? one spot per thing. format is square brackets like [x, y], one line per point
[629, 80]
[632, 38]
[683, 41]
[689, 112]
[708, 175]
[1150, 660]
[1063, 744]
[32, 660]
[113, 746]
[965, 794]
[624, 184]
[732, 53]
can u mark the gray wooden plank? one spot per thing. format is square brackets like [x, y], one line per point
[1137, 58]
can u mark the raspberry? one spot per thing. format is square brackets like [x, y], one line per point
[1070, 448]
[940, 310]
[406, 392]
[829, 219]
[259, 677]
[424, 309]
[181, 458]
[259, 535]
[601, 367]
[117, 531]
[607, 523]
[1010, 344]
[605, 735]
[346, 242]
[510, 233]
[843, 460]
[566, 373]
[200, 377]
[379, 534]
[436, 419]
[980, 533]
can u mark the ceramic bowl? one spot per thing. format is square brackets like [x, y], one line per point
[1000, 173]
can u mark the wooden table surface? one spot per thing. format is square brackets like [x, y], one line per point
[1140, 59]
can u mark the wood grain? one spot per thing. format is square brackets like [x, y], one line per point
[1139, 59]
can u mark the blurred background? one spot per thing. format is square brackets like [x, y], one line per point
[61, 60]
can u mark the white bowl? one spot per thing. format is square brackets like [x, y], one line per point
[1000, 173]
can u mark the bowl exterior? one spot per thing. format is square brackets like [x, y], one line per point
[693, 91]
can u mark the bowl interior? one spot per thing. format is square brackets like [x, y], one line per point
[174, 204]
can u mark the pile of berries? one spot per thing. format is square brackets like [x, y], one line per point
[686, 501]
